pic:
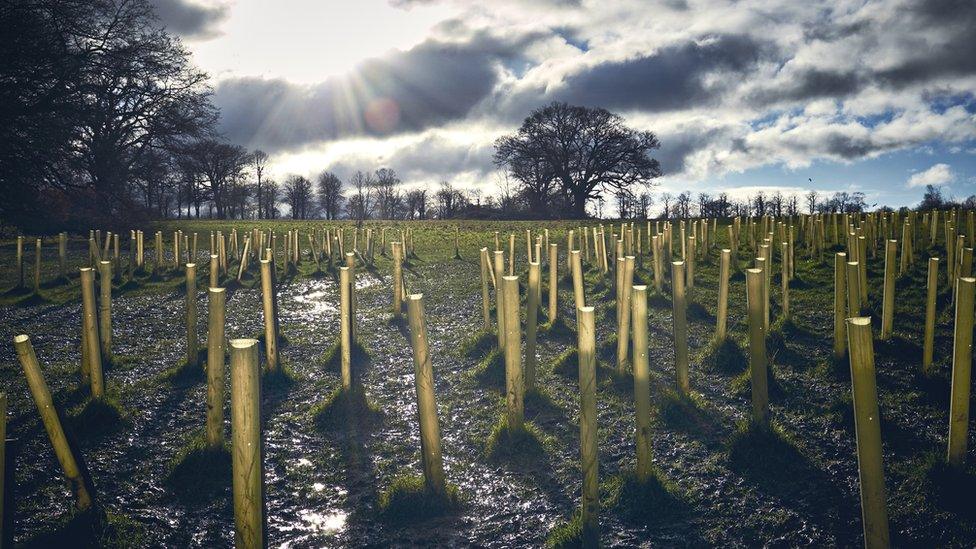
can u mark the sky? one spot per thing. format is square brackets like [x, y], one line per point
[872, 96]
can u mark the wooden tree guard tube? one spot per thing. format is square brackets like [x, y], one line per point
[868, 431]
[586, 342]
[514, 378]
[642, 386]
[962, 362]
[931, 290]
[485, 298]
[840, 298]
[785, 279]
[757, 347]
[763, 265]
[37, 267]
[511, 254]
[579, 298]
[20, 262]
[270, 322]
[397, 280]
[192, 343]
[499, 269]
[345, 327]
[623, 326]
[89, 339]
[721, 321]
[248, 468]
[553, 280]
[52, 424]
[853, 289]
[215, 367]
[3, 460]
[888, 295]
[214, 271]
[430, 432]
[105, 307]
[679, 323]
[657, 260]
[532, 322]
[62, 254]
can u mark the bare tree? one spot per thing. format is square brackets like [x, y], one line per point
[812, 197]
[417, 204]
[218, 165]
[271, 195]
[588, 151]
[666, 199]
[299, 196]
[330, 194]
[360, 204]
[388, 197]
[259, 160]
[776, 204]
[683, 204]
[759, 204]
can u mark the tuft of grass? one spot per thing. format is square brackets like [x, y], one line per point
[96, 417]
[572, 534]
[332, 359]
[567, 363]
[764, 451]
[951, 488]
[410, 500]
[479, 345]
[521, 445]
[343, 409]
[540, 404]
[726, 357]
[685, 412]
[741, 385]
[185, 374]
[92, 528]
[652, 501]
[199, 472]
[279, 379]
[558, 329]
[491, 370]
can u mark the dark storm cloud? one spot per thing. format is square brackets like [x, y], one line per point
[671, 78]
[189, 19]
[810, 84]
[428, 85]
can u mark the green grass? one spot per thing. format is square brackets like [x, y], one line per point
[345, 409]
[97, 417]
[522, 445]
[571, 534]
[200, 473]
[409, 500]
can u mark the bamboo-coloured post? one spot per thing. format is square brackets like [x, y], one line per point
[553, 281]
[62, 254]
[37, 268]
[690, 261]
[763, 265]
[3, 460]
[531, 322]
[511, 254]
[216, 305]
[192, 343]
[785, 279]
[888, 295]
[962, 363]
[485, 281]
[20, 262]
[397, 280]
[270, 322]
[928, 350]
[658, 262]
[214, 271]
[679, 323]
[874, 513]
[499, 268]
[840, 299]
[345, 327]
[853, 288]
[623, 318]
[247, 451]
[579, 298]
[514, 377]
[757, 347]
[105, 307]
[862, 257]
[642, 383]
[52, 424]
[430, 432]
[721, 320]
[89, 340]
[590, 464]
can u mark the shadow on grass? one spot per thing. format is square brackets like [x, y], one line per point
[725, 357]
[687, 413]
[522, 446]
[345, 412]
[558, 329]
[96, 418]
[199, 473]
[540, 406]
[410, 500]
[741, 385]
[92, 528]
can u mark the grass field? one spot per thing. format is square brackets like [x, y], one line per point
[720, 484]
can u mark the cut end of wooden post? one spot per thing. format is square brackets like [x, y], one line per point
[859, 321]
[243, 343]
[20, 339]
[415, 297]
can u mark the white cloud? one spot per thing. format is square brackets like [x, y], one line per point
[939, 174]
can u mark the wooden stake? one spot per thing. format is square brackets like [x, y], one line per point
[89, 338]
[485, 298]
[345, 328]
[52, 424]
[590, 464]
[962, 363]
[533, 297]
[215, 366]
[214, 271]
[192, 342]
[785, 278]
[430, 433]
[623, 325]
[247, 448]
[868, 431]
[888, 297]
[840, 298]
[499, 269]
[37, 266]
[105, 307]
[514, 377]
[723, 297]
[680, 325]
[20, 262]
[757, 347]
[270, 321]
[931, 291]
[553, 281]
[642, 386]
[397, 280]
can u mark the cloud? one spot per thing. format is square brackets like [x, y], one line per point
[190, 19]
[939, 174]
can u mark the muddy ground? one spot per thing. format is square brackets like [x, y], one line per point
[323, 486]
